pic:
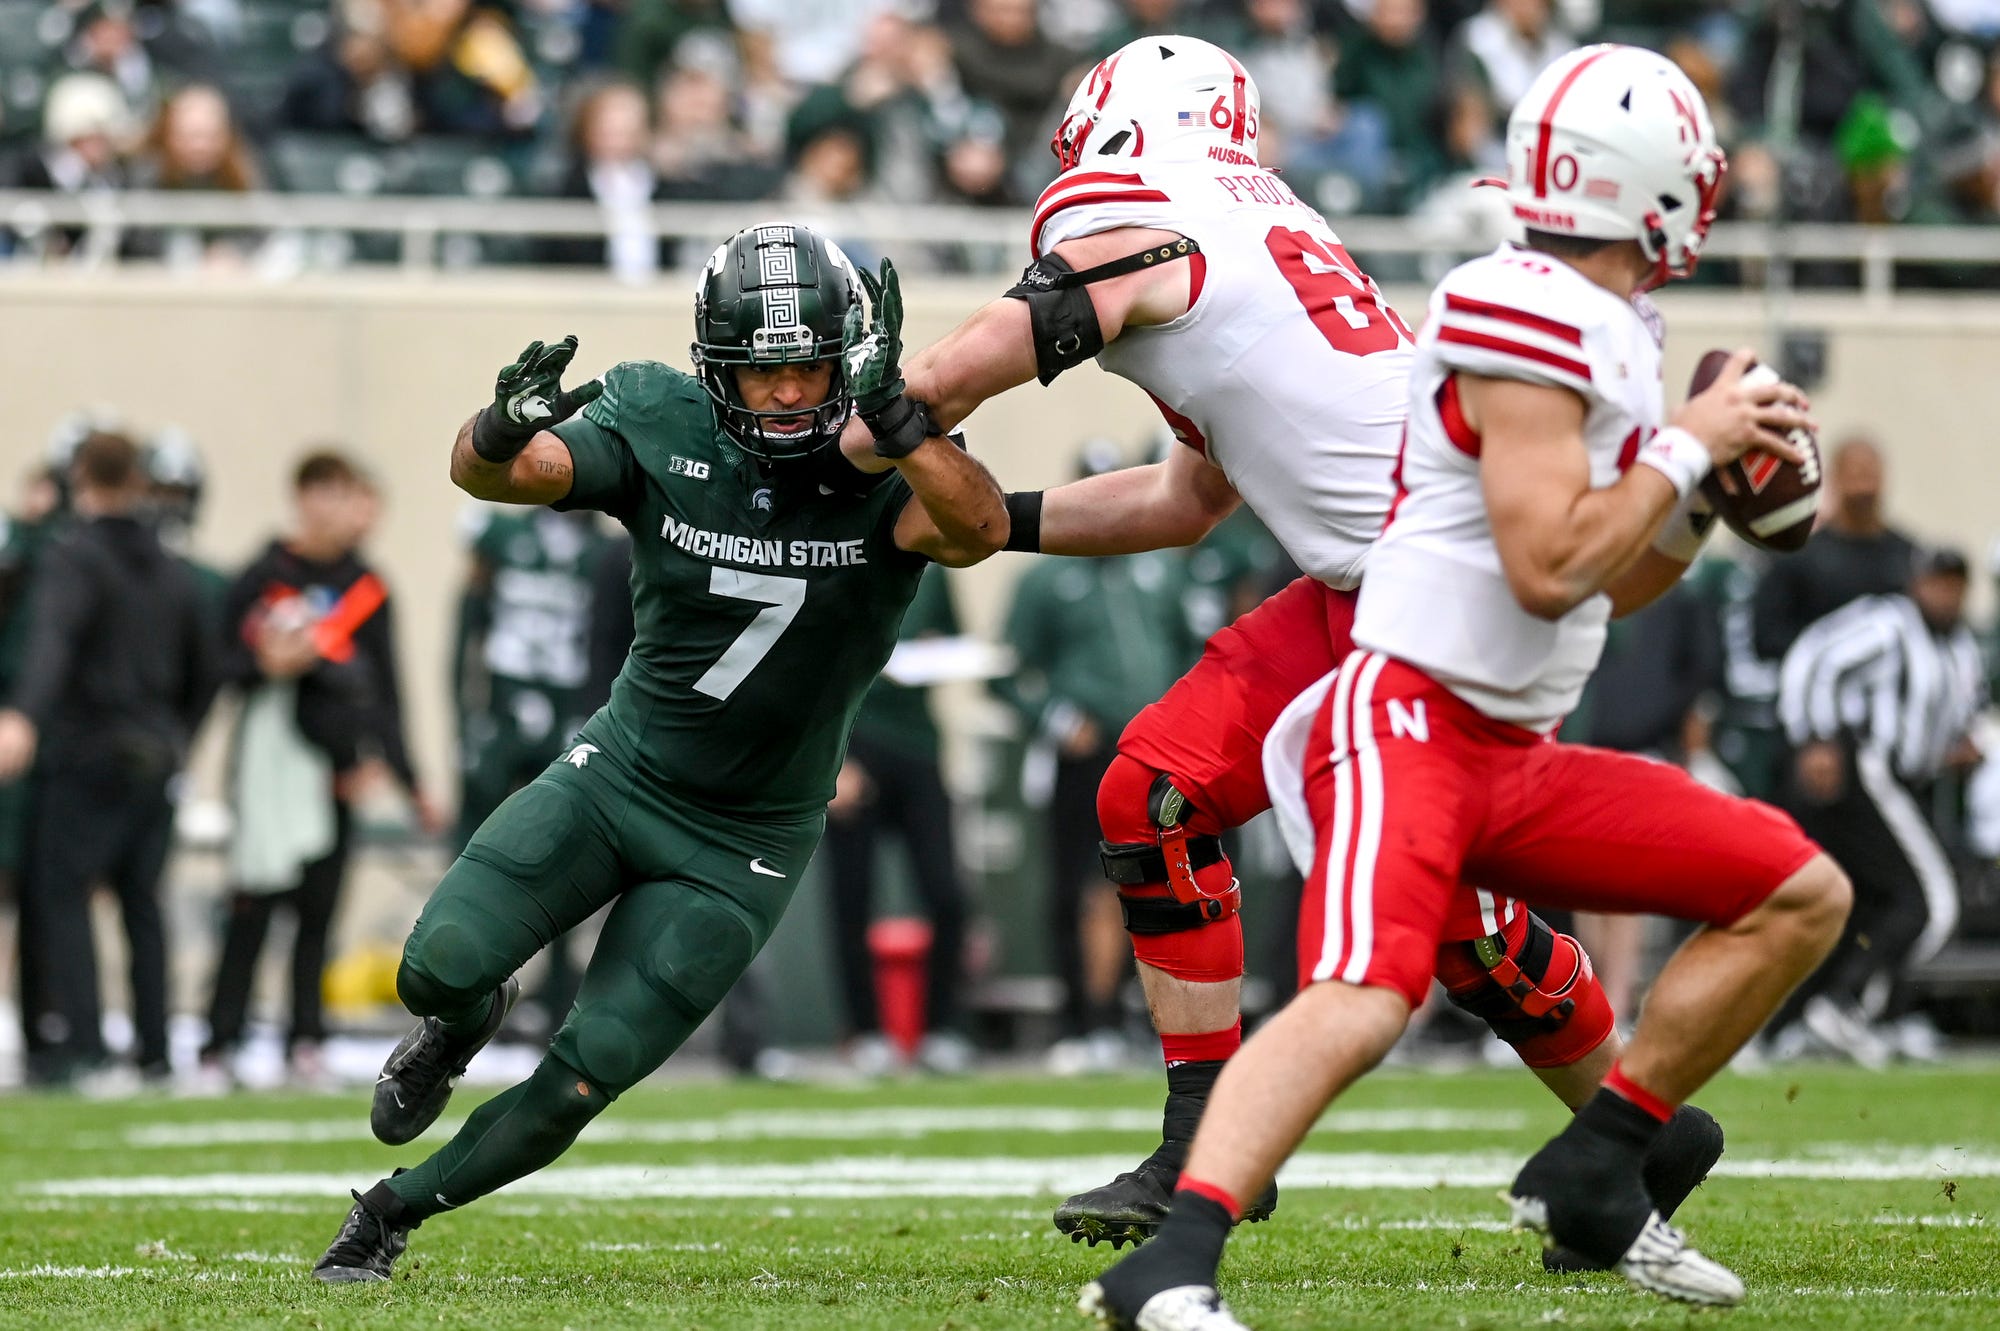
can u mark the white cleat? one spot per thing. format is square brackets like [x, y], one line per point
[1658, 1261]
[1661, 1261]
[1182, 1308]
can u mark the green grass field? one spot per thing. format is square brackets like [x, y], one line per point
[1850, 1201]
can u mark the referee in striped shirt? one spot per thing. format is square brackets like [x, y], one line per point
[1877, 699]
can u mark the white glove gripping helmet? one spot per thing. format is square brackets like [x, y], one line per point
[1172, 98]
[1614, 143]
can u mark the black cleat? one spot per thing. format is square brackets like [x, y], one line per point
[416, 1082]
[1679, 1159]
[366, 1247]
[1129, 1208]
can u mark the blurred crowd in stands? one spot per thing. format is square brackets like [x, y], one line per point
[1833, 110]
[1842, 683]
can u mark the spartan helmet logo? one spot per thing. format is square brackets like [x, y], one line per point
[761, 500]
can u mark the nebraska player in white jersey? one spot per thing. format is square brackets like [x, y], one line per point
[1539, 497]
[1284, 373]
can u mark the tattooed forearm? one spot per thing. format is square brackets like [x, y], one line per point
[540, 473]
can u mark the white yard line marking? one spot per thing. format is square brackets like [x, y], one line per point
[69, 1272]
[825, 1125]
[993, 1176]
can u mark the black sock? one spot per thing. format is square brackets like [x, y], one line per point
[1680, 1157]
[1188, 1085]
[383, 1201]
[1197, 1226]
[1186, 1251]
[1610, 1117]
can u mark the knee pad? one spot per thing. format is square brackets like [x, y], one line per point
[1176, 886]
[1167, 936]
[601, 1049]
[1534, 987]
[460, 950]
[703, 948]
[441, 971]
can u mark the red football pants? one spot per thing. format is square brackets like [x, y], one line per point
[1413, 792]
[1208, 730]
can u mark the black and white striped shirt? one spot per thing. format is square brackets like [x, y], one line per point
[1875, 671]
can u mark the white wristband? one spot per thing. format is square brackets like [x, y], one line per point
[1686, 529]
[1678, 456]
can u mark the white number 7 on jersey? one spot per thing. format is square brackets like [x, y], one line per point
[781, 597]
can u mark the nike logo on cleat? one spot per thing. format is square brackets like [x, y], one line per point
[758, 866]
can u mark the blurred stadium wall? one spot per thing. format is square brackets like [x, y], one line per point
[390, 366]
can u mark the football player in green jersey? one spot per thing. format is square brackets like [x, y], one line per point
[523, 650]
[771, 566]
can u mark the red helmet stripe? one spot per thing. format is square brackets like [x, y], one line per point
[1548, 127]
[1242, 77]
[1106, 67]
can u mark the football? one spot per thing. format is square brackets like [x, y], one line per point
[1766, 500]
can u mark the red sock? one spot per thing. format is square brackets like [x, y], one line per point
[1201, 1046]
[1220, 1196]
[1622, 1086]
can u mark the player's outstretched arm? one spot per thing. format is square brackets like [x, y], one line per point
[959, 517]
[994, 349]
[1156, 507]
[506, 452]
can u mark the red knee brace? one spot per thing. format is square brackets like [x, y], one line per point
[1177, 888]
[1534, 987]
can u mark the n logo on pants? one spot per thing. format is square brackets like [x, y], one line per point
[1409, 722]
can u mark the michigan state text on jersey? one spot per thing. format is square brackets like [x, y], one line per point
[771, 566]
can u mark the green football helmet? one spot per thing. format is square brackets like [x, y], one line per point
[774, 295]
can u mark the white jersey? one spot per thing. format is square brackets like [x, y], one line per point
[1289, 369]
[1436, 596]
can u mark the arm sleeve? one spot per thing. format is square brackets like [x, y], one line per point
[1490, 334]
[896, 496]
[606, 476]
[63, 599]
[1086, 202]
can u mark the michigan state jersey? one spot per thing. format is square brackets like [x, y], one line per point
[765, 599]
[538, 602]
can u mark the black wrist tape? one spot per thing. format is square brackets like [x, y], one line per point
[899, 427]
[496, 440]
[1024, 516]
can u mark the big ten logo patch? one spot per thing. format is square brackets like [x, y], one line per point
[688, 467]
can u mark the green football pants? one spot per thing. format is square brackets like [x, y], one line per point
[504, 746]
[697, 894]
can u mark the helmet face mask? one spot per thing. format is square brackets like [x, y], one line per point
[774, 295]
